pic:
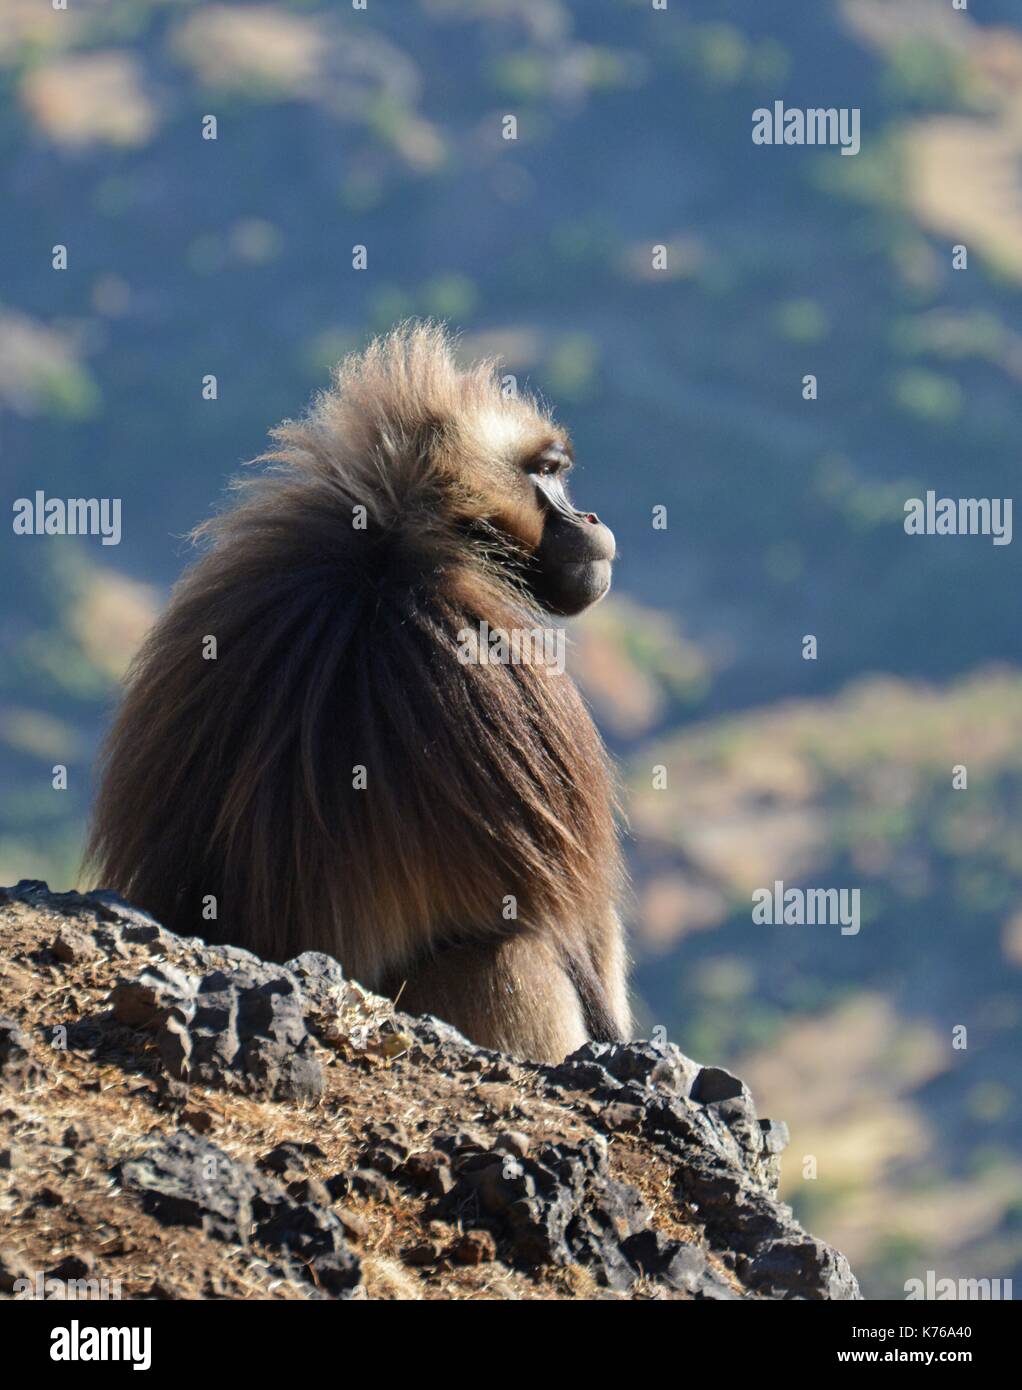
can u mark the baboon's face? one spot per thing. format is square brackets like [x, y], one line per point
[571, 563]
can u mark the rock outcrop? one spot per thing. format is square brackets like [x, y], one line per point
[185, 1120]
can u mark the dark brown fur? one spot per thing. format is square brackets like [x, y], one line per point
[337, 648]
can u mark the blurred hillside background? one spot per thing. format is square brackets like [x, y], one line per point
[682, 387]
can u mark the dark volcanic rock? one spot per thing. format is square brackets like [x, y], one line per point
[676, 1264]
[146, 1000]
[728, 1161]
[713, 1085]
[290, 1158]
[185, 1180]
[557, 1206]
[321, 980]
[70, 945]
[538, 1168]
[241, 1029]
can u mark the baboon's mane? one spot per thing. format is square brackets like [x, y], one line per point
[337, 648]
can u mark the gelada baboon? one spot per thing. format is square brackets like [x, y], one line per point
[340, 777]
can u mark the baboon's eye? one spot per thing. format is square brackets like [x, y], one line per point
[551, 461]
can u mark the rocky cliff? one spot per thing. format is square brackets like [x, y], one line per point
[188, 1121]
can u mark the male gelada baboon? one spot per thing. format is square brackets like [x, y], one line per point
[340, 778]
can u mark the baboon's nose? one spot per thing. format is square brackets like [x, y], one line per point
[601, 542]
